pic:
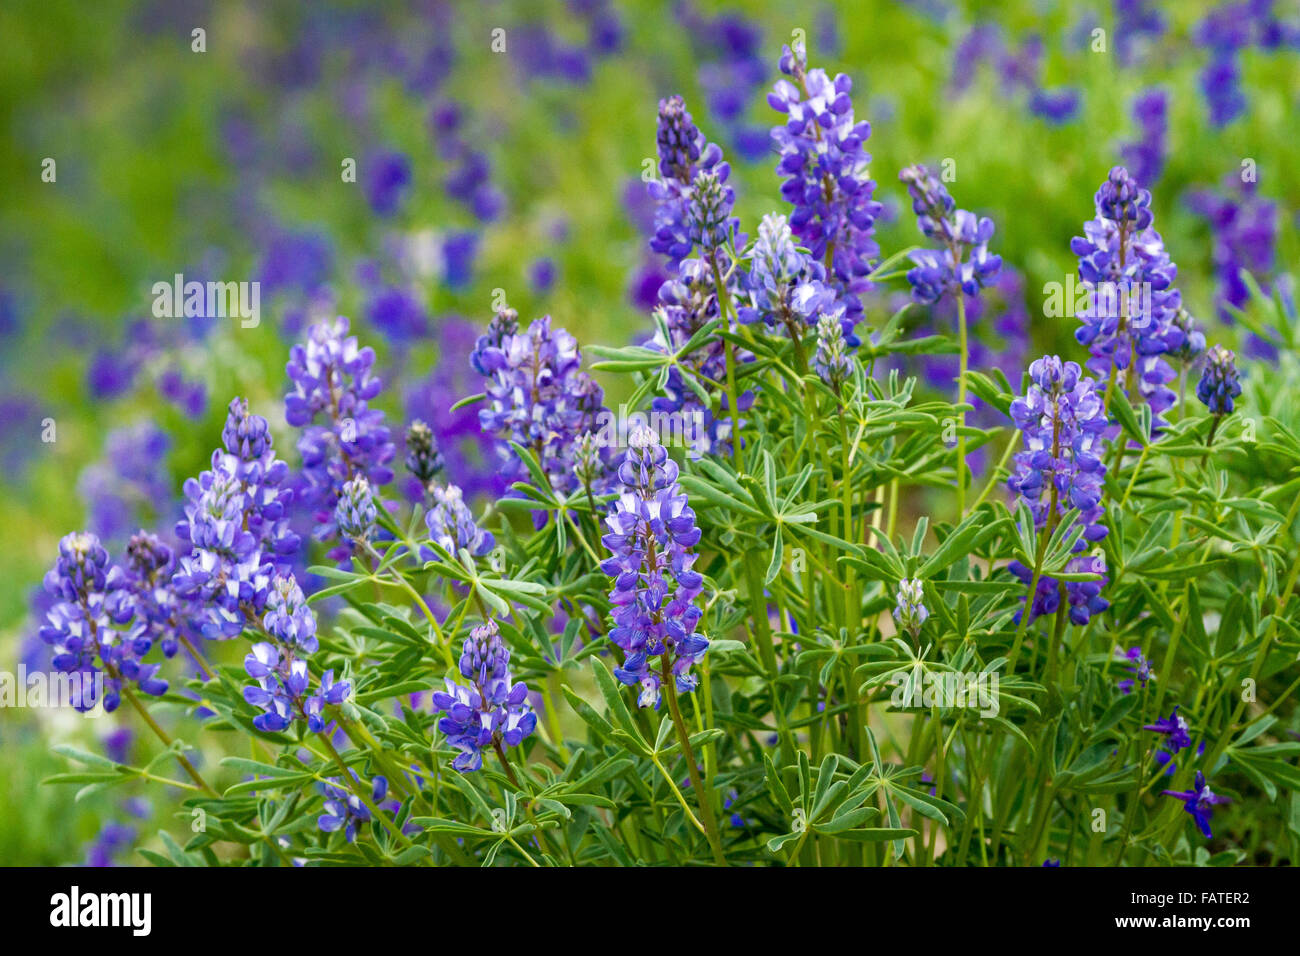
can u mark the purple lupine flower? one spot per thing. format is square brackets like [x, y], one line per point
[652, 532]
[681, 217]
[332, 380]
[470, 183]
[1244, 226]
[236, 528]
[686, 303]
[130, 485]
[1060, 468]
[344, 810]
[1193, 345]
[1128, 322]
[709, 223]
[1137, 23]
[910, 612]
[831, 359]
[279, 666]
[1200, 802]
[1225, 32]
[161, 615]
[537, 396]
[387, 179]
[1057, 105]
[91, 601]
[465, 451]
[355, 512]
[1141, 670]
[451, 523]
[1220, 384]
[963, 261]
[423, 459]
[1174, 729]
[827, 170]
[489, 711]
[1146, 157]
[788, 290]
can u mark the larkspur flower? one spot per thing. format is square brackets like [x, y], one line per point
[451, 524]
[1200, 802]
[963, 262]
[827, 174]
[1175, 730]
[537, 396]
[652, 532]
[333, 380]
[489, 711]
[355, 512]
[1220, 383]
[1060, 468]
[910, 611]
[1127, 323]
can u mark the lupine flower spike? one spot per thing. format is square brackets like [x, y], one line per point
[652, 532]
[1060, 468]
[910, 612]
[488, 711]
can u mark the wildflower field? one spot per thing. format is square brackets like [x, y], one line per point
[628, 433]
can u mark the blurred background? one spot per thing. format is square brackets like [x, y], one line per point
[498, 149]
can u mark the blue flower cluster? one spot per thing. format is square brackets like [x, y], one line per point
[788, 289]
[652, 531]
[1062, 420]
[280, 667]
[537, 396]
[423, 459]
[91, 601]
[237, 527]
[688, 302]
[491, 709]
[910, 612]
[963, 262]
[1128, 323]
[355, 513]
[333, 381]
[692, 199]
[827, 173]
[1220, 384]
[451, 524]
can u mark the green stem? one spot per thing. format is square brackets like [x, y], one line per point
[703, 796]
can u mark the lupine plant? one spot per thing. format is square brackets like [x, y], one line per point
[845, 626]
